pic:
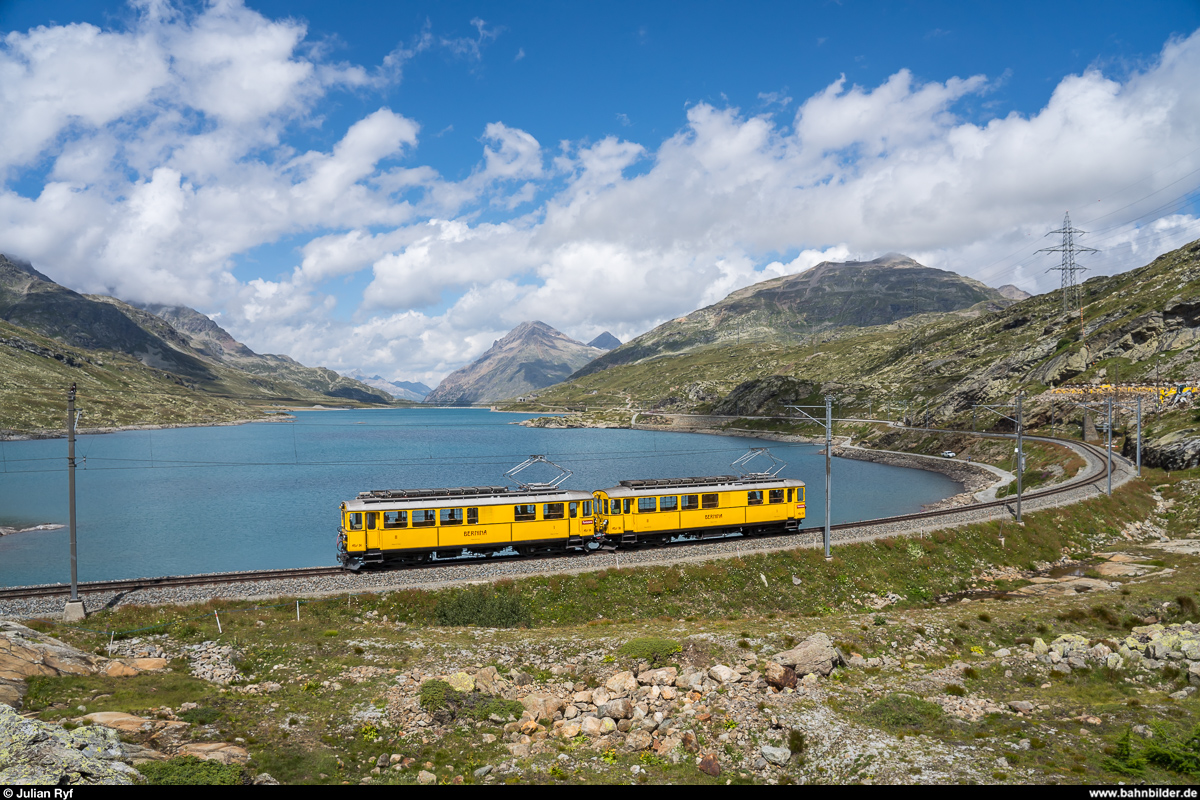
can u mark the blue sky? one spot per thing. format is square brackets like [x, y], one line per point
[391, 187]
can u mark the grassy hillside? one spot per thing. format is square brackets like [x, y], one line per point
[1139, 326]
[113, 388]
[136, 367]
[804, 307]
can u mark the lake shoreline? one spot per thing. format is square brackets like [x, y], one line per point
[971, 478]
[26, 436]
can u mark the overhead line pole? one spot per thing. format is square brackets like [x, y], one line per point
[1019, 423]
[828, 456]
[75, 610]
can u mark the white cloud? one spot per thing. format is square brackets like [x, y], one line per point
[176, 146]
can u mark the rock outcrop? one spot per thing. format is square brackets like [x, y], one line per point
[25, 653]
[1177, 450]
[42, 754]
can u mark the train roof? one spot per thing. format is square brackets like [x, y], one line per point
[721, 482]
[462, 495]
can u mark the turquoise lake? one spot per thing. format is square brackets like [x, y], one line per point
[266, 495]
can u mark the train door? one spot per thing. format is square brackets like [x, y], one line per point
[611, 509]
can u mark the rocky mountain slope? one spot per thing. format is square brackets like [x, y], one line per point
[31, 300]
[205, 336]
[135, 366]
[858, 294]
[531, 356]
[1139, 326]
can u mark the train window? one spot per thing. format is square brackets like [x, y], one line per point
[472, 516]
[791, 493]
[775, 496]
[587, 508]
[710, 500]
[553, 510]
[604, 506]
[628, 505]
[647, 504]
[354, 521]
[395, 519]
[800, 497]
[424, 519]
[525, 513]
[452, 516]
[370, 520]
[691, 501]
[754, 498]
[573, 510]
[668, 503]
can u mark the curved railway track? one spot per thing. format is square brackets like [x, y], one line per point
[175, 581]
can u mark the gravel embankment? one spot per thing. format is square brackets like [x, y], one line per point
[481, 570]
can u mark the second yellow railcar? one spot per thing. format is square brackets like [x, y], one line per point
[658, 511]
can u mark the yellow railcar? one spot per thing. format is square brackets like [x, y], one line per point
[657, 511]
[408, 527]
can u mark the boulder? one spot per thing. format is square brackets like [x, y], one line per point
[461, 682]
[119, 669]
[667, 744]
[658, 677]
[125, 723]
[779, 676]
[158, 732]
[816, 654]
[221, 752]
[543, 706]
[638, 740]
[620, 708]
[722, 674]
[778, 756]
[485, 681]
[597, 726]
[710, 766]
[622, 683]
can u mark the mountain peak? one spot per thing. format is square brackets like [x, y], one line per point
[605, 341]
[796, 307]
[1014, 292]
[17, 265]
[530, 356]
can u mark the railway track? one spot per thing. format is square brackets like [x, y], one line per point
[177, 581]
